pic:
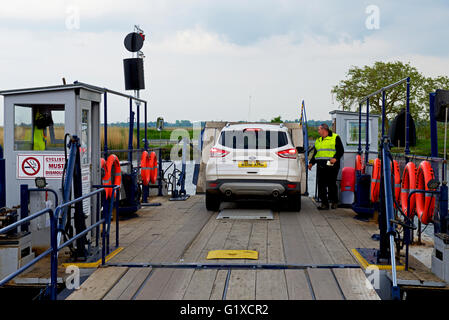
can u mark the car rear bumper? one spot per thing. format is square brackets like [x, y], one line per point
[253, 188]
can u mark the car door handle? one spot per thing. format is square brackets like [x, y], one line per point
[250, 172]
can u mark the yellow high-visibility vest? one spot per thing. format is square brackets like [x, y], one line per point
[38, 139]
[325, 148]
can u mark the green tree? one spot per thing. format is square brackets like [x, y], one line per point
[361, 82]
[276, 120]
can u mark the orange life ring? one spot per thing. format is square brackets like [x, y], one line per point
[144, 169]
[358, 163]
[408, 185]
[396, 175]
[152, 164]
[112, 162]
[375, 180]
[425, 203]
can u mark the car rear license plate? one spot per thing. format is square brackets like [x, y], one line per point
[252, 164]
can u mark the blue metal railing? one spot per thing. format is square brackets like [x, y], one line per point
[387, 223]
[54, 245]
[303, 121]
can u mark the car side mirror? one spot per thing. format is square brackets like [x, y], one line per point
[301, 149]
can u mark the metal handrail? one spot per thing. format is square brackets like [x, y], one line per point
[38, 258]
[55, 248]
[389, 208]
[383, 89]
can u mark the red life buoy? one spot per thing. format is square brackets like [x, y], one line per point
[425, 203]
[358, 163]
[375, 180]
[396, 177]
[144, 169]
[113, 174]
[152, 164]
[408, 185]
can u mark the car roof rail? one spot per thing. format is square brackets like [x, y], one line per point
[281, 125]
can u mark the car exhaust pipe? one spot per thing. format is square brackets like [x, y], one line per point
[275, 193]
[228, 193]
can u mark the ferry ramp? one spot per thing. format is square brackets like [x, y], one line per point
[301, 256]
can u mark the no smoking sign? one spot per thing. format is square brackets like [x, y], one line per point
[29, 167]
[33, 166]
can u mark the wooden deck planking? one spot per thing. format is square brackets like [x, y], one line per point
[218, 286]
[324, 285]
[201, 285]
[238, 239]
[271, 285]
[176, 281]
[177, 284]
[129, 284]
[317, 249]
[153, 287]
[242, 285]
[187, 234]
[275, 248]
[294, 242]
[216, 241]
[297, 285]
[355, 285]
[98, 284]
[258, 240]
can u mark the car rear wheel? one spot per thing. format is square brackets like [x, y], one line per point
[294, 203]
[212, 202]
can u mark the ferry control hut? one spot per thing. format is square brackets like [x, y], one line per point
[36, 121]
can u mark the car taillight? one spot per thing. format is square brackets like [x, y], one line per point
[289, 153]
[218, 153]
[292, 185]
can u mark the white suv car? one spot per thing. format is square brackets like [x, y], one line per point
[253, 161]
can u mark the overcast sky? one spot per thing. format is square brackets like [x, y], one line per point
[204, 59]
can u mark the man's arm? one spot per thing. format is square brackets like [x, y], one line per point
[313, 161]
[340, 151]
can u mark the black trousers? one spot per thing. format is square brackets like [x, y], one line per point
[327, 183]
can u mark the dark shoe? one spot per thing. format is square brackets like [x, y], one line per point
[323, 207]
[334, 205]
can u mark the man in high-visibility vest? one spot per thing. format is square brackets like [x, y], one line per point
[41, 122]
[328, 151]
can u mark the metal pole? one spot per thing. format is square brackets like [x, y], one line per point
[117, 197]
[367, 133]
[138, 126]
[105, 148]
[146, 128]
[183, 167]
[159, 168]
[433, 126]
[407, 121]
[131, 129]
[24, 201]
[103, 237]
[306, 144]
[54, 256]
[445, 137]
[389, 216]
[360, 129]
[383, 112]
[97, 229]
[2, 179]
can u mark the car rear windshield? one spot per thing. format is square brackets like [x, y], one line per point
[253, 139]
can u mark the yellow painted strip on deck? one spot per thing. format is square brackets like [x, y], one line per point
[366, 265]
[233, 254]
[94, 264]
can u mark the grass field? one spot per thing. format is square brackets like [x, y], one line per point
[118, 138]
